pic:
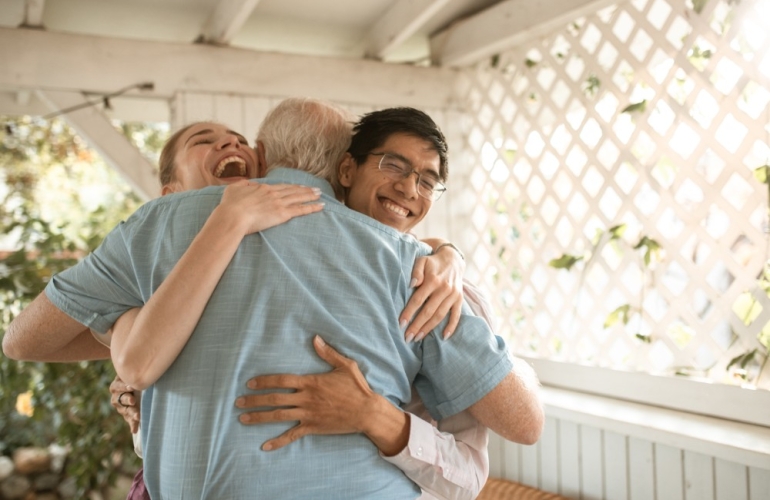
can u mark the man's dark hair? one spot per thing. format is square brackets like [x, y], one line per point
[375, 128]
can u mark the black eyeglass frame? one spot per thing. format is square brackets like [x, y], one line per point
[438, 190]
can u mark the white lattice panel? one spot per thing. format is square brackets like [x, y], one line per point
[556, 159]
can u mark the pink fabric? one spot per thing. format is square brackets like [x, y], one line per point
[138, 491]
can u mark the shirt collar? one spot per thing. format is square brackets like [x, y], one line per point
[294, 176]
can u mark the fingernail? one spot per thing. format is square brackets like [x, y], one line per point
[240, 402]
[316, 190]
[244, 418]
[413, 283]
[267, 447]
[420, 336]
[402, 324]
[320, 340]
[409, 337]
[447, 334]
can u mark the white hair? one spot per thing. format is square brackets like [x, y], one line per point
[306, 134]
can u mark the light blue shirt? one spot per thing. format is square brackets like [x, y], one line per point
[335, 273]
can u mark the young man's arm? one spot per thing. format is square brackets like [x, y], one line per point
[44, 333]
[513, 408]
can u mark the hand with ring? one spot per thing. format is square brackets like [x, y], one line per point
[125, 401]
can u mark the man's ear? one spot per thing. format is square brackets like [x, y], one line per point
[171, 187]
[261, 162]
[347, 170]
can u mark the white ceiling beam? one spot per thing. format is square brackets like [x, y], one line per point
[226, 20]
[39, 59]
[33, 13]
[94, 127]
[401, 21]
[505, 25]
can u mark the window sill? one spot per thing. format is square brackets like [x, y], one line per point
[739, 442]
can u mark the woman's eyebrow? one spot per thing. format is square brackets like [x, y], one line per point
[200, 132]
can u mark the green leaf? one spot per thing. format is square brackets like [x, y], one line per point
[495, 61]
[762, 174]
[619, 314]
[509, 155]
[530, 63]
[742, 359]
[697, 5]
[638, 107]
[566, 261]
[617, 232]
[644, 338]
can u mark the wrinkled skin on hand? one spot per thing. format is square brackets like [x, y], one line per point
[129, 410]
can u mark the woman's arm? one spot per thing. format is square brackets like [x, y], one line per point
[146, 341]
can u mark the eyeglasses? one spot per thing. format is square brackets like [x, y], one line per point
[428, 185]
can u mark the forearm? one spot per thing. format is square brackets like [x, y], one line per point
[513, 409]
[144, 348]
[386, 426]
[42, 332]
[84, 347]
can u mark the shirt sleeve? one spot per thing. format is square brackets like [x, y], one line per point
[449, 462]
[458, 372]
[100, 288]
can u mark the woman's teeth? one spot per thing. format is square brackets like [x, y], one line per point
[232, 166]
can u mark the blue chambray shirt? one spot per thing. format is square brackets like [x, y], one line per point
[336, 273]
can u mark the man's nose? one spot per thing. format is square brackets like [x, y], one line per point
[408, 186]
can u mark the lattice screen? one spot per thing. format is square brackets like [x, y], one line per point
[557, 159]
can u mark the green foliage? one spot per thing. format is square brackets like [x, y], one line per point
[742, 359]
[566, 261]
[619, 314]
[637, 107]
[591, 85]
[697, 5]
[58, 202]
[651, 247]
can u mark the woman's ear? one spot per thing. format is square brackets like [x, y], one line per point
[347, 170]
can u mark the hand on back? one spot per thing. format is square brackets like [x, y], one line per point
[256, 206]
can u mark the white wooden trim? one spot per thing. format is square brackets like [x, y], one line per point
[733, 441]
[505, 25]
[717, 400]
[38, 59]
[400, 22]
[116, 150]
[226, 20]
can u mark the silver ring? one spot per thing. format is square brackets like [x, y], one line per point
[121, 397]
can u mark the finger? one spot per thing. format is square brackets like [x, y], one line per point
[300, 193]
[287, 437]
[418, 272]
[118, 386]
[433, 321]
[300, 210]
[454, 319]
[282, 381]
[429, 303]
[269, 399]
[328, 353]
[416, 301]
[266, 417]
